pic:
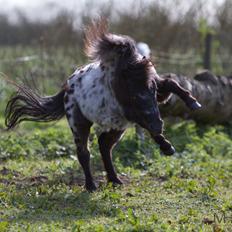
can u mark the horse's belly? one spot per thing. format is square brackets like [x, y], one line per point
[102, 109]
[105, 114]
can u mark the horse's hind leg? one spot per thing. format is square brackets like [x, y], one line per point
[107, 141]
[80, 127]
[169, 85]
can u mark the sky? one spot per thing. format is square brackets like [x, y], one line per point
[46, 9]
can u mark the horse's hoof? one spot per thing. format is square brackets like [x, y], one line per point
[195, 105]
[91, 187]
[169, 151]
[115, 181]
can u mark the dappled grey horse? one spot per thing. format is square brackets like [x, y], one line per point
[120, 88]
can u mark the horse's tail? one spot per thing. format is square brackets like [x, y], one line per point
[100, 45]
[26, 105]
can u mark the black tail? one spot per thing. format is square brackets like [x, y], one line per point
[27, 105]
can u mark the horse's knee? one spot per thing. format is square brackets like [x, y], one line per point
[165, 88]
[170, 83]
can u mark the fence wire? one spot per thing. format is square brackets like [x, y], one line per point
[187, 64]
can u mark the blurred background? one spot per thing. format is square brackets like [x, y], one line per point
[41, 42]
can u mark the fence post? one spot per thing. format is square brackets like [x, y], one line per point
[207, 52]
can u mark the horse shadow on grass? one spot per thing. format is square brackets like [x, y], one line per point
[63, 198]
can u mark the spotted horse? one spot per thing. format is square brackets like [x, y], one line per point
[119, 88]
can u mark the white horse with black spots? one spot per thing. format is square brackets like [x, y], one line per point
[120, 88]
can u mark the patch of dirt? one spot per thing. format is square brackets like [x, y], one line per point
[71, 178]
[29, 181]
[4, 181]
[162, 178]
[35, 180]
[207, 221]
[5, 171]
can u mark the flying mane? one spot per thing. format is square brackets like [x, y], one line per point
[100, 45]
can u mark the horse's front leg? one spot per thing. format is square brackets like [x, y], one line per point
[171, 86]
[165, 146]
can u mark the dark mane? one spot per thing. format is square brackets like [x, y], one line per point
[100, 45]
[136, 70]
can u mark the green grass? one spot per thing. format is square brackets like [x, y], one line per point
[41, 182]
[46, 73]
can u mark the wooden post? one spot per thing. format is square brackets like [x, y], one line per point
[207, 54]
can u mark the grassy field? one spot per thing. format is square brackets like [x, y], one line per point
[41, 182]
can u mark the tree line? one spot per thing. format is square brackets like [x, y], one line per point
[153, 23]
